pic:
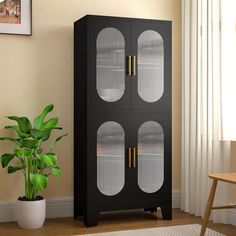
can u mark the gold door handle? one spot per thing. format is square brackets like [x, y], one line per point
[130, 158]
[133, 72]
[134, 157]
[129, 65]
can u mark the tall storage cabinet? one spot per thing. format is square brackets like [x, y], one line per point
[122, 109]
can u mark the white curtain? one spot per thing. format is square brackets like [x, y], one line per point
[202, 150]
[228, 69]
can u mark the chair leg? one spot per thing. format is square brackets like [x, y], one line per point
[208, 207]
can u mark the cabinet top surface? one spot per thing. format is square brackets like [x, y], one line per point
[121, 18]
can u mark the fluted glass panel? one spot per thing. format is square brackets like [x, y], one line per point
[150, 156]
[110, 158]
[110, 64]
[150, 66]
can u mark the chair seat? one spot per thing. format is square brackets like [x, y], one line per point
[229, 177]
[226, 177]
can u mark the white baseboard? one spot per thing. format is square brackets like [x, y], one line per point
[56, 208]
[176, 199]
[63, 207]
[7, 212]
[60, 207]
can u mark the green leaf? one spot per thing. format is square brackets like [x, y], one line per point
[56, 170]
[12, 169]
[23, 123]
[41, 134]
[57, 140]
[23, 152]
[17, 130]
[40, 166]
[50, 123]
[47, 160]
[17, 141]
[6, 158]
[60, 137]
[39, 181]
[30, 143]
[39, 120]
[57, 128]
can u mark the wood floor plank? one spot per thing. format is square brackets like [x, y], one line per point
[111, 222]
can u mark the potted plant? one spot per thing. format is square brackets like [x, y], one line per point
[34, 164]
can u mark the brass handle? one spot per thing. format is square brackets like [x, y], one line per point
[130, 164]
[129, 65]
[133, 65]
[134, 157]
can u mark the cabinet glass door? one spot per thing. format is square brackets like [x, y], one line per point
[150, 157]
[150, 66]
[109, 45]
[110, 64]
[151, 84]
[110, 158]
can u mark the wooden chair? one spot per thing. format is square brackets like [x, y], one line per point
[225, 177]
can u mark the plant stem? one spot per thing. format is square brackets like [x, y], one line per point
[25, 178]
[29, 182]
[24, 171]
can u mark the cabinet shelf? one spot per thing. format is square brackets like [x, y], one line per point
[112, 155]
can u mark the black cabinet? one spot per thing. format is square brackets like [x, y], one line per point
[122, 111]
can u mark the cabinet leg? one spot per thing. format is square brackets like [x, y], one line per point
[152, 210]
[78, 212]
[91, 218]
[166, 213]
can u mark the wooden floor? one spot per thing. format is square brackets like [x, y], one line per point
[110, 222]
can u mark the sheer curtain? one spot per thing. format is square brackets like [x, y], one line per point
[202, 150]
[228, 71]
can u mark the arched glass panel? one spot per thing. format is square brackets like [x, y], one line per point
[110, 158]
[150, 156]
[110, 64]
[150, 66]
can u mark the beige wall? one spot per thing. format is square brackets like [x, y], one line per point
[38, 70]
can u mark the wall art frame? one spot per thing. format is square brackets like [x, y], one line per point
[16, 17]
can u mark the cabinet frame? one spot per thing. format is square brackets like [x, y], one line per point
[86, 116]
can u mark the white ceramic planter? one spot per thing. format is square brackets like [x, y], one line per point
[31, 214]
